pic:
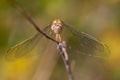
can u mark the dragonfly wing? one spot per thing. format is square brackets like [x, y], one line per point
[27, 47]
[88, 45]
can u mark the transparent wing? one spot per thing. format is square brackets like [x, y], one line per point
[86, 55]
[86, 44]
[27, 47]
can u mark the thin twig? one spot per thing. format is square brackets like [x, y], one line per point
[25, 14]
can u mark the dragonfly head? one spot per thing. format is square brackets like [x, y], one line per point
[57, 26]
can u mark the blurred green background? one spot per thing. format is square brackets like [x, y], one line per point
[100, 18]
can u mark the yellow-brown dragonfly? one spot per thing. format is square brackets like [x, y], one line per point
[79, 45]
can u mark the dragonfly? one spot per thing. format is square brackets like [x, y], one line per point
[76, 46]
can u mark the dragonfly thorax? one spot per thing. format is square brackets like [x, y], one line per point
[56, 26]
